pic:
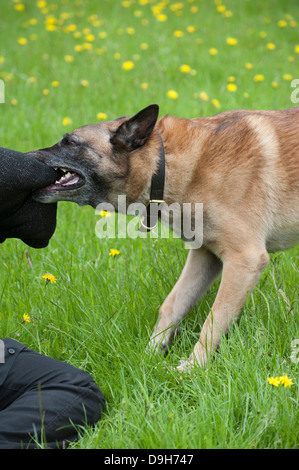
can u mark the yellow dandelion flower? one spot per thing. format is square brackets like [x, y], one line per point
[46, 92]
[271, 46]
[273, 381]
[49, 278]
[102, 35]
[55, 83]
[172, 94]
[130, 31]
[231, 41]
[161, 17]
[66, 121]
[282, 23]
[69, 58]
[176, 6]
[178, 33]
[26, 318]
[102, 116]
[213, 51]
[216, 103]
[105, 214]
[203, 96]
[190, 29]
[71, 28]
[19, 7]
[116, 56]
[258, 78]
[113, 252]
[221, 8]
[185, 68]
[284, 380]
[41, 4]
[84, 83]
[32, 79]
[231, 79]
[144, 85]
[231, 87]
[14, 102]
[275, 85]
[22, 41]
[90, 37]
[248, 66]
[128, 65]
[156, 9]
[297, 49]
[263, 34]
[144, 46]
[287, 76]
[1, 59]
[51, 27]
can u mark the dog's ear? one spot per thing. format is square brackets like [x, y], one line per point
[134, 132]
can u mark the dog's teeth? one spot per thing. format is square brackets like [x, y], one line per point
[55, 168]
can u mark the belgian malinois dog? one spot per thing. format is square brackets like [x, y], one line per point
[242, 165]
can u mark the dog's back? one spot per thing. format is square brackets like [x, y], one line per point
[244, 164]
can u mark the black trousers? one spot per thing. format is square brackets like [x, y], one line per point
[43, 400]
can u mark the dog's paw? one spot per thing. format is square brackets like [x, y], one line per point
[156, 347]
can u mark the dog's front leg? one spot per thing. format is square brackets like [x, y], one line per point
[200, 270]
[240, 274]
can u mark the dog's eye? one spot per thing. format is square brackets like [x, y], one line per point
[69, 142]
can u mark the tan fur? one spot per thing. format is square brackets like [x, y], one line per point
[244, 167]
[245, 170]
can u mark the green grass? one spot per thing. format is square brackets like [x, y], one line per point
[99, 314]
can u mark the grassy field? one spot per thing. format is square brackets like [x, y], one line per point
[73, 62]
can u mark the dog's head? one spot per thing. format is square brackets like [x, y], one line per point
[97, 161]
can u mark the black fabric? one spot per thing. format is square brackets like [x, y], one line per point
[21, 216]
[43, 399]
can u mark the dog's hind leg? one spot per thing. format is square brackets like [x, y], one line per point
[240, 273]
[200, 270]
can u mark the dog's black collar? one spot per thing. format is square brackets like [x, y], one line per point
[156, 193]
